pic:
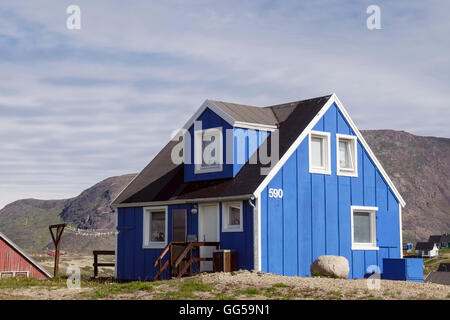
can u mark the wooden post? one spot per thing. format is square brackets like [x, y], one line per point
[57, 242]
[95, 264]
[170, 262]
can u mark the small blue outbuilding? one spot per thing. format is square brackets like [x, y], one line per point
[280, 185]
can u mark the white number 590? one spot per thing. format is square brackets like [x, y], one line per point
[275, 193]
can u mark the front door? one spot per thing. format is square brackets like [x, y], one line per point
[208, 231]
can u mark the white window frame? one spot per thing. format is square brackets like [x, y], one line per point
[226, 227]
[326, 151]
[373, 228]
[146, 243]
[198, 152]
[343, 171]
[14, 273]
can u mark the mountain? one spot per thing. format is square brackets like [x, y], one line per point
[26, 221]
[419, 167]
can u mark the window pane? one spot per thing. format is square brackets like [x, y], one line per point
[361, 226]
[211, 154]
[234, 216]
[345, 159]
[317, 156]
[157, 226]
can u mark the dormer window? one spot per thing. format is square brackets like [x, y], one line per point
[208, 155]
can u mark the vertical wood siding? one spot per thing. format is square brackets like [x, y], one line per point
[136, 263]
[313, 217]
[12, 260]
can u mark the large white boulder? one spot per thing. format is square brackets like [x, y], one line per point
[330, 266]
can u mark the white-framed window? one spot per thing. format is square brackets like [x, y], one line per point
[364, 228]
[346, 155]
[155, 227]
[232, 219]
[208, 150]
[319, 152]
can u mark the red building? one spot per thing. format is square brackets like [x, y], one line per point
[16, 263]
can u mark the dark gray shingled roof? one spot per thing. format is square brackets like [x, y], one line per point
[435, 239]
[251, 114]
[425, 246]
[161, 180]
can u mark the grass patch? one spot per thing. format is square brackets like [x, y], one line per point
[106, 289]
[247, 292]
[187, 290]
[280, 285]
[195, 286]
[223, 296]
[31, 282]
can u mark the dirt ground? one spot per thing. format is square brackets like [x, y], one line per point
[224, 286]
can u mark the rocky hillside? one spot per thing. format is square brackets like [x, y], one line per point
[26, 221]
[419, 167]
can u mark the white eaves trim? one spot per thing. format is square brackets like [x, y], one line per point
[225, 116]
[26, 256]
[306, 132]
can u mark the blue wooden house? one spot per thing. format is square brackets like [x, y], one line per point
[280, 185]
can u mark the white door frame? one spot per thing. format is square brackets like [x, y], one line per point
[200, 225]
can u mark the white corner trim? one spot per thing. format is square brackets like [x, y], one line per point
[147, 244]
[327, 169]
[225, 227]
[303, 135]
[400, 227]
[369, 151]
[346, 172]
[255, 235]
[258, 267]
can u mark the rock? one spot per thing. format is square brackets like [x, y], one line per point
[330, 266]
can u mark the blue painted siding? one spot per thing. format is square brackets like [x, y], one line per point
[242, 242]
[244, 143]
[319, 207]
[136, 263]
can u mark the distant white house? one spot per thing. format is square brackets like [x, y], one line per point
[427, 249]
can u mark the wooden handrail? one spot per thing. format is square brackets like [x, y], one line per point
[189, 246]
[166, 249]
[183, 254]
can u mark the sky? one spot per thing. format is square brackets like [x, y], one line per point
[78, 106]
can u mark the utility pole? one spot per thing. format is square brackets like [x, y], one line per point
[57, 242]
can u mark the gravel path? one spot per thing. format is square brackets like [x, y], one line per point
[325, 288]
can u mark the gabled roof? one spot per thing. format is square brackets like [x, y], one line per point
[425, 246]
[26, 256]
[435, 239]
[162, 181]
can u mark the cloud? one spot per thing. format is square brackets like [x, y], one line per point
[79, 106]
